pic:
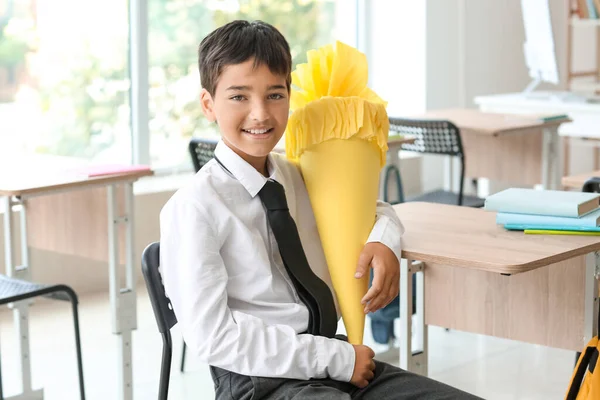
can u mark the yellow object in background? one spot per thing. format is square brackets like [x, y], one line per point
[554, 232]
[585, 381]
[337, 134]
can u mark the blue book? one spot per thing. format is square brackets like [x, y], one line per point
[555, 203]
[591, 219]
[522, 227]
[592, 9]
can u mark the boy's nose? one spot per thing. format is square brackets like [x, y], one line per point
[259, 112]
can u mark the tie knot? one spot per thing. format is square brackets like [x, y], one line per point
[273, 196]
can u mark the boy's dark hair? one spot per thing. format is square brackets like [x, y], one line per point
[239, 41]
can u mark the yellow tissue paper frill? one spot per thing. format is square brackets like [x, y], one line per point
[330, 100]
[337, 118]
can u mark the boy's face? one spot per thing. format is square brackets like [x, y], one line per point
[251, 107]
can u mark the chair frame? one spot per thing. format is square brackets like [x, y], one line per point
[163, 312]
[459, 152]
[49, 291]
[195, 143]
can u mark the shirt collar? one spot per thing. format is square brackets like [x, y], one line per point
[252, 180]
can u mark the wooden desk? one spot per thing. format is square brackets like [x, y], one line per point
[483, 279]
[63, 200]
[583, 110]
[518, 149]
[576, 181]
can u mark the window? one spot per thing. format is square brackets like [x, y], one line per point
[176, 27]
[64, 71]
[64, 86]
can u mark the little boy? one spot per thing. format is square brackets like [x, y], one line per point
[236, 296]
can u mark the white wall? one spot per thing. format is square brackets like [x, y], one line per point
[442, 53]
[396, 51]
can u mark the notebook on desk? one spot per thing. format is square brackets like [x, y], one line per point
[556, 203]
[94, 171]
[591, 219]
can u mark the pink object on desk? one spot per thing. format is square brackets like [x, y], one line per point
[113, 169]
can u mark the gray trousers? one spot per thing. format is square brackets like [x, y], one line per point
[389, 383]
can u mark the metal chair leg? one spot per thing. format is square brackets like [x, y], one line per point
[74, 303]
[1, 390]
[392, 169]
[165, 367]
[184, 347]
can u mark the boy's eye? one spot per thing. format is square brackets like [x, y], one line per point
[276, 96]
[237, 98]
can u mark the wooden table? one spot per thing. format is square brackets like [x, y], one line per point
[518, 149]
[583, 111]
[477, 277]
[60, 201]
[576, 181]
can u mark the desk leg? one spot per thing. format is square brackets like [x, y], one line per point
[409, 360]
[20, 309]
[552, 159]
[122, 299]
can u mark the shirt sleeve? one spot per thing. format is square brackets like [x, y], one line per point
[388, 229]
[195, 279]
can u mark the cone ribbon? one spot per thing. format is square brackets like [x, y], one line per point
[337, 134]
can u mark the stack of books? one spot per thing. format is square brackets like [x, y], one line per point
[552, 212]
[588, 9]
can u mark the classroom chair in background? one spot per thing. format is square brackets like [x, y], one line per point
[437, 137]
[13, 290]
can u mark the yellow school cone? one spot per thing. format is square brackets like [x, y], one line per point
[337, 134]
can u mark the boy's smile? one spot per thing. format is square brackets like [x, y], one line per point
[251, 106]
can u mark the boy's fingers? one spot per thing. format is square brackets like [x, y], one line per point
[364, 261]
[381, 299]
[395, 287]
[374, 290]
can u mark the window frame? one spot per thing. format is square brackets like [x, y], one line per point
[138, 75]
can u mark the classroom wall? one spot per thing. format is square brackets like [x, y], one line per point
[446, 52]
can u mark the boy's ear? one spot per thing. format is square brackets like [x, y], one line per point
[207, 104]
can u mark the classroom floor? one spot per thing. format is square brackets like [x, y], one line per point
[488, 367]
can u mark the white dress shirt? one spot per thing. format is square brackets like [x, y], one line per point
[222, 270]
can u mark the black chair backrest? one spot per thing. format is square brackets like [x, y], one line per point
[592, 185]
[163, 310]
[202, 150]
[432, 136]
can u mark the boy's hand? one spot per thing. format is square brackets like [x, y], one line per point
[386, 275]
[364, 366]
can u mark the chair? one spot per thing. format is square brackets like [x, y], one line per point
[201, 150]
[13, 290]
[442, 138]
[592, 185]
[163, 312]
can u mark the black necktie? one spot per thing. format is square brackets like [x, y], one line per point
[311, 289]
